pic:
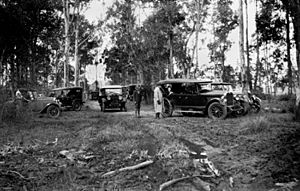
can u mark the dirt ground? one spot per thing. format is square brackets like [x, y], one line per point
[253, 152]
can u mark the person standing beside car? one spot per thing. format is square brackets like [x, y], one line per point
[137, 98]
[158, 102]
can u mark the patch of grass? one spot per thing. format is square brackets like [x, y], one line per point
[257, 125]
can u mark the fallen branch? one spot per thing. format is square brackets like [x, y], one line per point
[20, 175]
[135, 167]
[174, 181]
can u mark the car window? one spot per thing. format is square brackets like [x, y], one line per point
[190, 88]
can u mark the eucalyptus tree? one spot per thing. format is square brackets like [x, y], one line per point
[271, 33]
[27, 27]
[121, 58]
[224, 21]
[294, 7]
[72, 10]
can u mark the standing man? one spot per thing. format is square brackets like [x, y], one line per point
[158, 102]
[137, 98]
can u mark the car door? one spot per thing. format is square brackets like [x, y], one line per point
[191, 97]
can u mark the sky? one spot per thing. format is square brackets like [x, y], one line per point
[97, 11]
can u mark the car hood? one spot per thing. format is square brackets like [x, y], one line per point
[214, 93]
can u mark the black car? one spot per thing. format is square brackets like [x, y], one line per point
[70, 97]
[38, 102]
[189, 96]
[113, 97]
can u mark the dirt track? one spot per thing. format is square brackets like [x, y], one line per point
[255, 151]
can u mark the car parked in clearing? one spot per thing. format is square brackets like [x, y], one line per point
[40, 104]
[70, 97]
[189, 96]
[113, 97]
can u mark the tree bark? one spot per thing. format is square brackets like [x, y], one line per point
[294, 7]
[288, 44]
[241, 42]
[76, 57]
[248, 72]
[67, 41]
[258, 64]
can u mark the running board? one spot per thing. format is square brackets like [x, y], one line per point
[184, 111]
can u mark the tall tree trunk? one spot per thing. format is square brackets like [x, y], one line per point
[288, 44]
[297, 37]
[258, 64]
[248, 72]
[67, 41]
[171, 66]
[294, 7]
[76, 51]
[241, 42]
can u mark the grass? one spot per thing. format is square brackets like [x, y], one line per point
[265, 137]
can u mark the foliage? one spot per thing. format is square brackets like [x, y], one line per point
[28, 27]
[224, 20]
[143, 50]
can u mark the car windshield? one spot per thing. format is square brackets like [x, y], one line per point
[223, 87]
[114, 91]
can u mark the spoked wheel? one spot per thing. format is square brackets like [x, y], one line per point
[53, 111]
[77, 106]
[217, 111]
[167, 108]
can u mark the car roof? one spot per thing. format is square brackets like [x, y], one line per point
[181, 80]
[68, 88]
[221, 83]
[112, 87]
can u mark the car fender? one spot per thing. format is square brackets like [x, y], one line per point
[44, 110]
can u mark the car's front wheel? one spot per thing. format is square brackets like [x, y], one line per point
[217, 111]
[53, 111]
[77, 105]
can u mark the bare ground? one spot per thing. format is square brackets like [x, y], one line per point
[73, 152]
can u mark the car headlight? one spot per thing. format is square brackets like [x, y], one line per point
[108, 98]
[57, 101]
[120, 97]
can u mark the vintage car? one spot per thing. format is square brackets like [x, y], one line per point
[253, 102]
[41, 104]
[113, 97]
[189, 96]
[70, 97]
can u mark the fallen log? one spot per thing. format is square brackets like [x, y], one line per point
[135, 167]
[174, 181]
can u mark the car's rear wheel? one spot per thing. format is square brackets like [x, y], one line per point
[167, 108]
[53, 111]
[217, 111]
[77, 105]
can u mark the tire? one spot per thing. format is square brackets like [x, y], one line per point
[167, 108]
[53, 111]
[243, 110]
[77, 105]
[217, 111]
